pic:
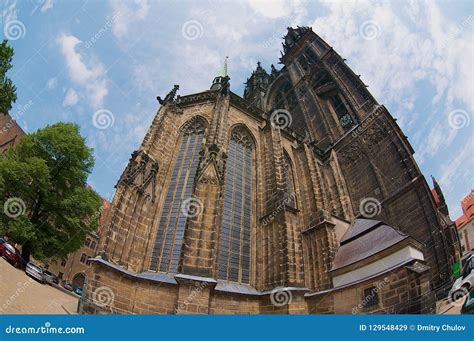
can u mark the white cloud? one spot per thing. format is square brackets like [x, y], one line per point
[48, 4]
[71, 98]
[459, 167]
[89, 76]
[52, 83]
[9, 11]
[270, 8]
[439, 135]
[126, 13]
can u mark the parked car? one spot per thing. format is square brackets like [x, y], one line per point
[50, 278]
[67, 285]
[463, 284]
[78, 291]
[35, 272]
[11, 254]
[2, 246]
[468, 306]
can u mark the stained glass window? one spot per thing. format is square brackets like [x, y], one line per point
[234, 239]
[345, 119]
[167, 249]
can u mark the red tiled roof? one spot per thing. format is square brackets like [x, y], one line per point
[467, 205]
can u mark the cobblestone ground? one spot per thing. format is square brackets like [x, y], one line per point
[20, 294]
[445, 307]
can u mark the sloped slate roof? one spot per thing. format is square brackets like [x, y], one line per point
[365, 238]
[359, 227]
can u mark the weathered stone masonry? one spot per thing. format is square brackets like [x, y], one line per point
[340, 148]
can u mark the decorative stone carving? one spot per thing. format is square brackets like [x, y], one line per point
[170, 97]
[351, 153]
[212, 167]
[140, 174]
[374, 135]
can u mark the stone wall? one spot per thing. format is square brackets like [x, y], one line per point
[400, 291]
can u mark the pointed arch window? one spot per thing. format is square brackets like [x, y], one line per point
[290, 199]
[343, 115]
[234, 239]
[169, 238]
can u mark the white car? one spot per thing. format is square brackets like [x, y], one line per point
[463, 284]
[35, 271]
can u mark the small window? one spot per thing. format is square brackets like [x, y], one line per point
[93, 245]
[371, 297]
[88, 242]
[345, 119]
[63, 262]
[46, 266]
[60, 275]
[84, 258]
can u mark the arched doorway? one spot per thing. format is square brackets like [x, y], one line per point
[78, 280]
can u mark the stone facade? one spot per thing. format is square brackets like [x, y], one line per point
[244, 201]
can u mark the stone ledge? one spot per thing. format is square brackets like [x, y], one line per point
[150, 276]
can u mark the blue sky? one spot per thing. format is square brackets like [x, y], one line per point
[102, 64]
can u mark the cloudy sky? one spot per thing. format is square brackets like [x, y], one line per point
[102, 64]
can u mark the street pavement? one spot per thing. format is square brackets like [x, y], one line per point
[20, 294]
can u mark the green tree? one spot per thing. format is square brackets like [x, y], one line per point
[47, 206]
[7, 89]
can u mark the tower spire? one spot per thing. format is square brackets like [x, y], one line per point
[222, 80]
[224, 68]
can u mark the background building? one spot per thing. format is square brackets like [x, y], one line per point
[465, 223]
[76, 266]
[448, 227]
[303, 190]
[10, 132]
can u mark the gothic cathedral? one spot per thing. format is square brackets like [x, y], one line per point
[302, 196]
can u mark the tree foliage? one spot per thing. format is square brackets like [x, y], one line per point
[7, 89]
[47, 206]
